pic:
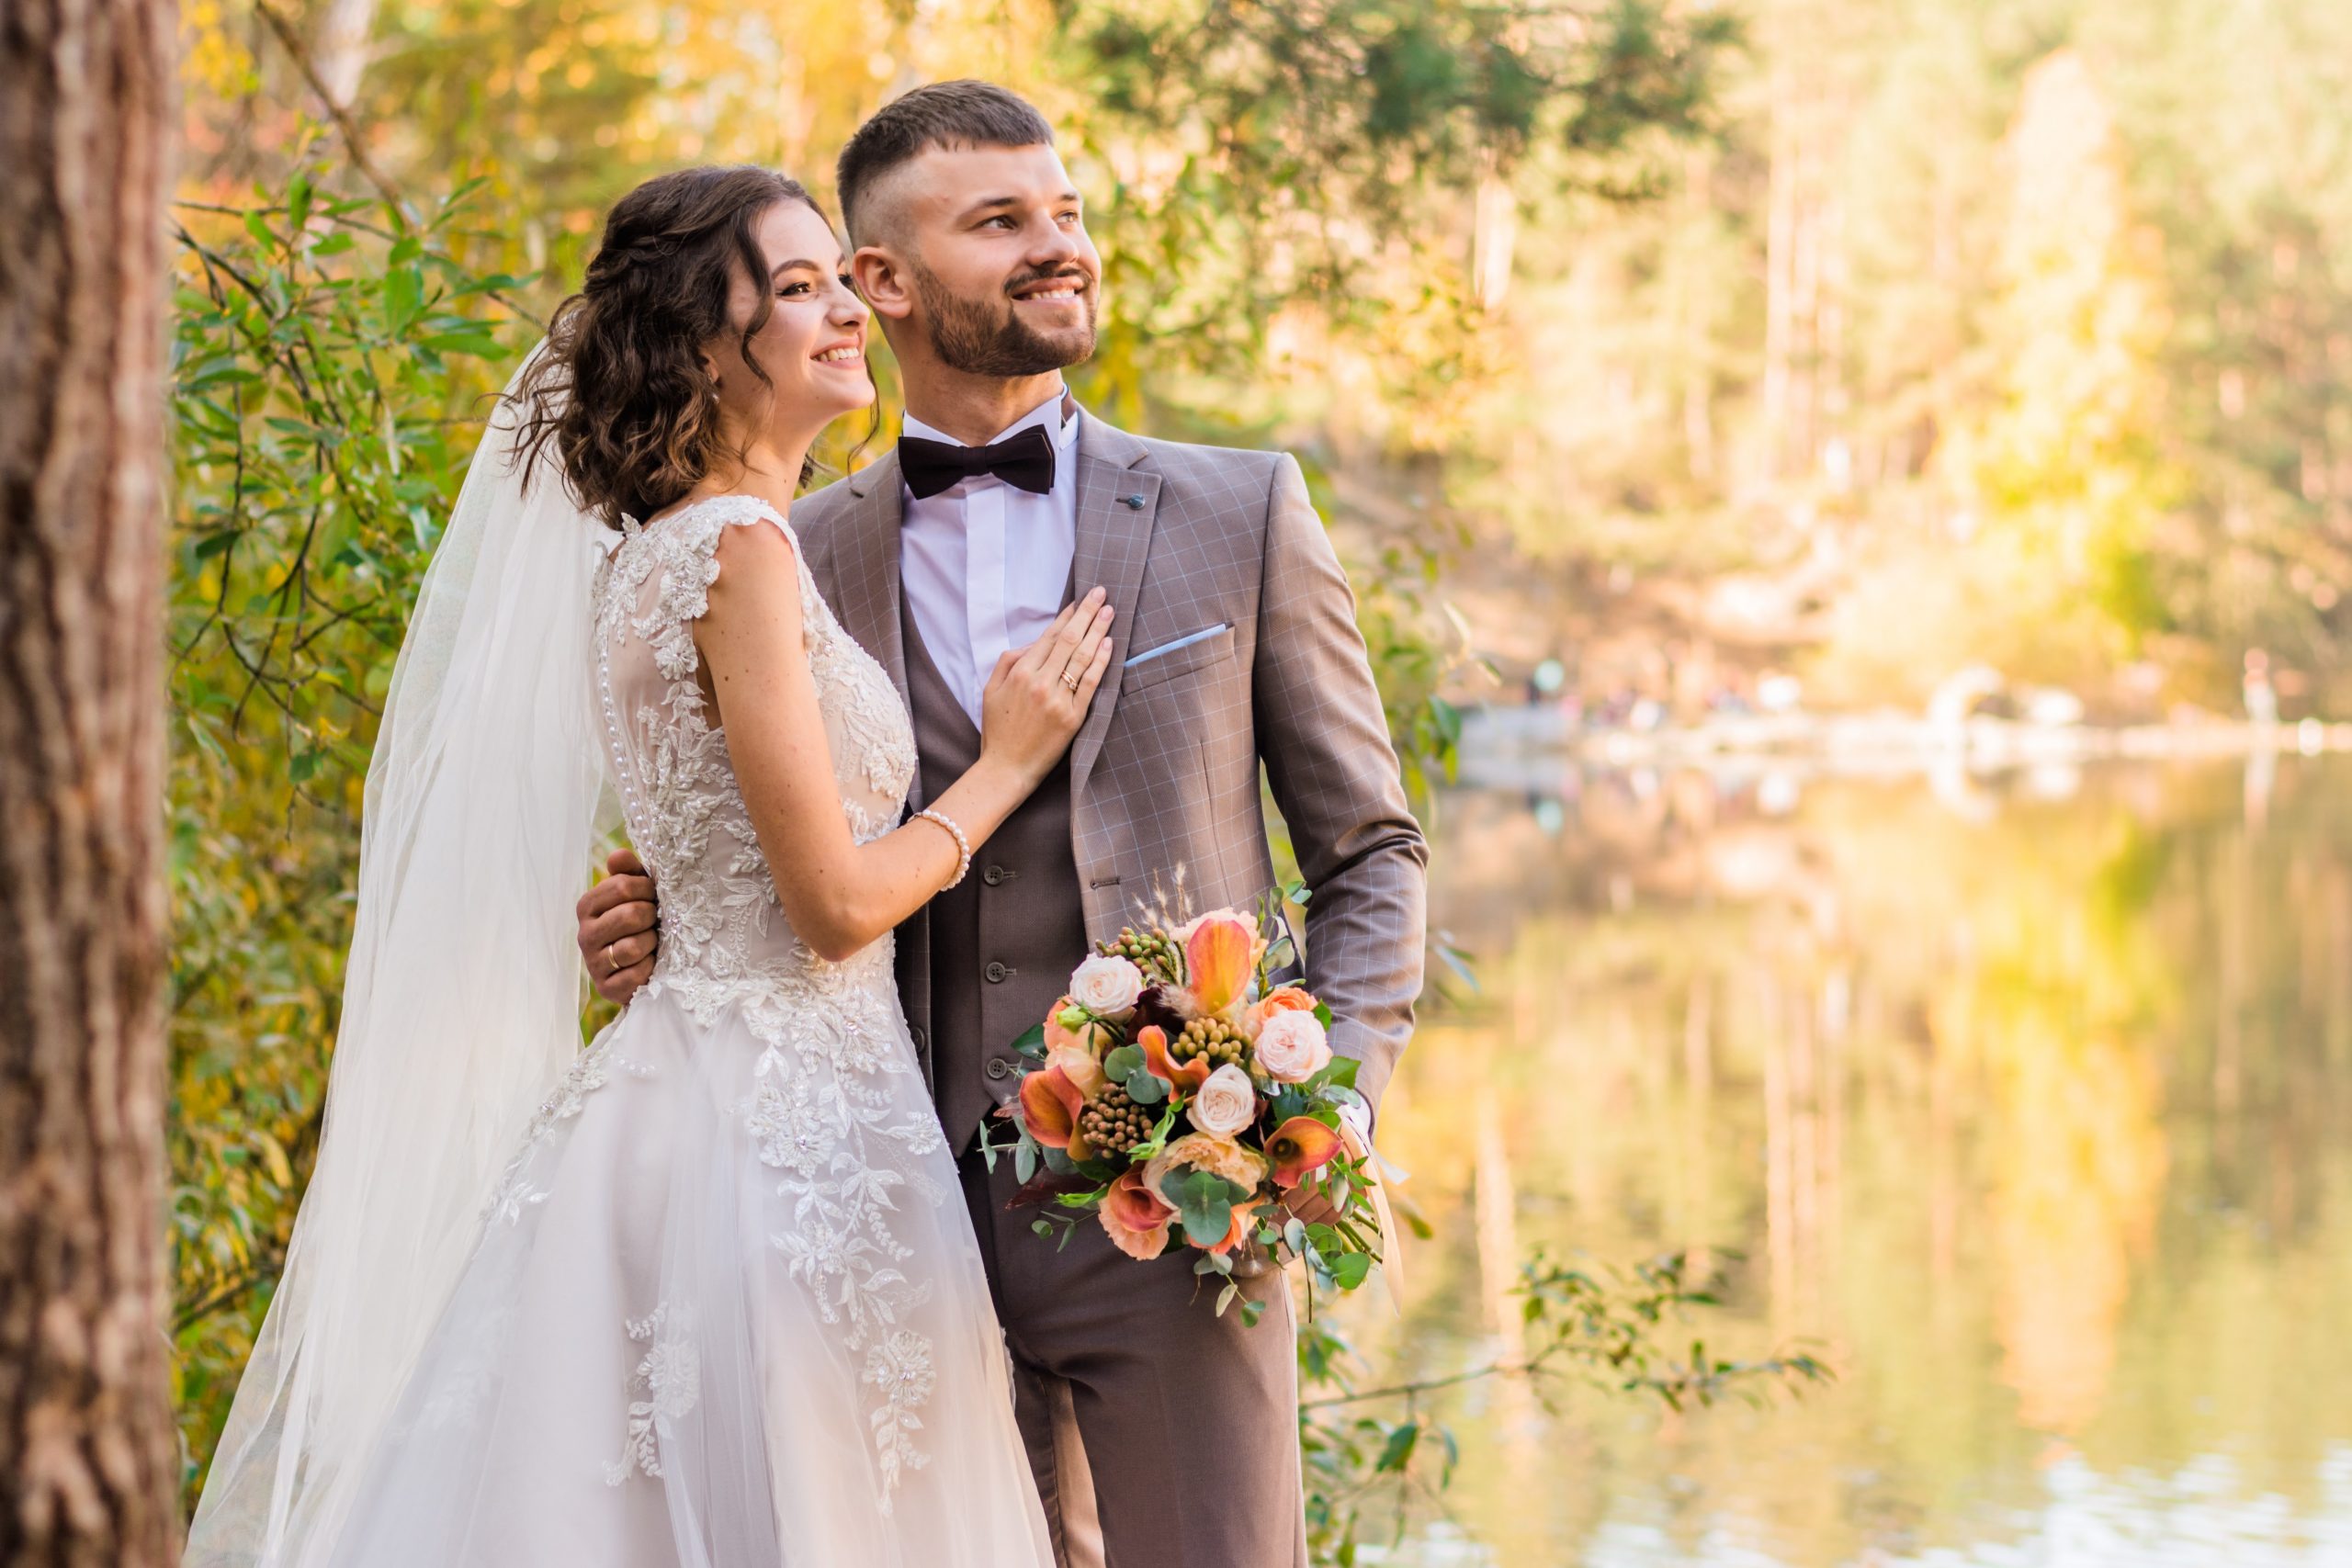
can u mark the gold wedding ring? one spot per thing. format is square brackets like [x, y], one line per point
[1069, 679]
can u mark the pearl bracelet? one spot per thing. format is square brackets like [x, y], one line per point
[963, 844]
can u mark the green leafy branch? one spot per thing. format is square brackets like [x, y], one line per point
[331, 358]
[1605, 1329]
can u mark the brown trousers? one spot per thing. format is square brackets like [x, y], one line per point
[1187, 1418]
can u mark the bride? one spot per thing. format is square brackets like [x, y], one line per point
[716, 1302]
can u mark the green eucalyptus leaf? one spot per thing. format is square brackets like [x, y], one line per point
[1203, 1203]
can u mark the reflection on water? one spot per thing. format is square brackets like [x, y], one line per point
[2027, 1105]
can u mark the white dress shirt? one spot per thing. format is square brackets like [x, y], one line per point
[983, 565]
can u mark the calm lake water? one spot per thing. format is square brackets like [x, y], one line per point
[2027, 1100]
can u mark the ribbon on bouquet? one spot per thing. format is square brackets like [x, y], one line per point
[1392, 1236]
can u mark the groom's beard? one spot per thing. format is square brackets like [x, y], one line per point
[989, 338]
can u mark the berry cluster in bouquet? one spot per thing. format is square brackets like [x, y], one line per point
[1177, 1090]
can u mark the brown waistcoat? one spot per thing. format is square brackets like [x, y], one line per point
[1237, 668]
[1005, 939]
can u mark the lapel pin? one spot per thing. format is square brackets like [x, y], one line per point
[1133, 502]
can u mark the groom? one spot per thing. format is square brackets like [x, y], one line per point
[1235, 645]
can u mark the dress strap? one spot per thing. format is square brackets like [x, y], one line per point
[682, 551]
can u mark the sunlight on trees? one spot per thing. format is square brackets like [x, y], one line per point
[1864, 341]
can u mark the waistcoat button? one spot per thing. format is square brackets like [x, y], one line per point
[997, 1067]
[996, 974]
[995, 876]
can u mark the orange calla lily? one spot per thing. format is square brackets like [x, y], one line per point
[1300, 1147]
[1081, 1068]
[1153, 1039]
[1217, 961]
[1136, 1218]
[1239, 1230]
[1050, 1105]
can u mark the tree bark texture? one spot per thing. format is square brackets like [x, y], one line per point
[87, 1454]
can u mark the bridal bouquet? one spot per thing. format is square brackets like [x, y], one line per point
[1177, 1091]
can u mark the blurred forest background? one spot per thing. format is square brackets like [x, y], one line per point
[1860, 339]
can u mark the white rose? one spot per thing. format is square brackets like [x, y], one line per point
[1106, 986]
[1226, 1104]
[1292, 1047]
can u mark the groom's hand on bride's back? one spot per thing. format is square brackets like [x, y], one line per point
[617, 934]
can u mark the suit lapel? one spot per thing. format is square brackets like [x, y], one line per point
[1118, 503]
[866, 567]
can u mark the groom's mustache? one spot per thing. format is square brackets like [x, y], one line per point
[1013, 285]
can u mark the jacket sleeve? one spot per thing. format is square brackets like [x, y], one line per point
[1324, 739]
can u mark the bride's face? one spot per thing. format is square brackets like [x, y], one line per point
[813, 346]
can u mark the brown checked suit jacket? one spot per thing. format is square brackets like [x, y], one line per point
[1241, 628]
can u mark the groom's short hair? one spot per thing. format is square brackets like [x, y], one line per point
[944, 114]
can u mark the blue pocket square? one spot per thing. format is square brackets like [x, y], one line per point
[1187, 640]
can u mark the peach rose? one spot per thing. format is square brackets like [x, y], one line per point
[1288, 998]
[1293, 1046]
[1225, 1105]
[1218, 1156]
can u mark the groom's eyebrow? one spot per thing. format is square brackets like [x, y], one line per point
[990, 203]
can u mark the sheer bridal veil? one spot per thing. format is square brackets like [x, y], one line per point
[461, 999]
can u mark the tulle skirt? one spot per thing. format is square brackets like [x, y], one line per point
[727, 1312]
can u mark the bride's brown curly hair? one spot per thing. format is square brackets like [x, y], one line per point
[620, 387]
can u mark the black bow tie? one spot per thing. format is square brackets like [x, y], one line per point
[1025, 459]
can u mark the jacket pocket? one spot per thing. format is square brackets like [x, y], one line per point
[1178, 656]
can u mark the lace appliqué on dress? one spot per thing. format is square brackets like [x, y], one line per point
[899, 1367]
[667, 1386]
[516, 1191]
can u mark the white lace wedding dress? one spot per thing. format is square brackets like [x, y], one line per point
[727, 1310]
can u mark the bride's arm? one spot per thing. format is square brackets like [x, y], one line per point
[838, 894]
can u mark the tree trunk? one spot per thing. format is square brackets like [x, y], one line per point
[341, 53]
[87, 1453]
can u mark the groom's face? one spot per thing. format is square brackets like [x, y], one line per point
[983, 251]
